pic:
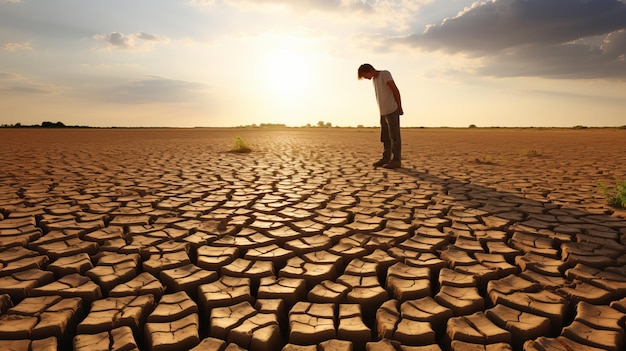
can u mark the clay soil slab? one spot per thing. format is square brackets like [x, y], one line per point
[73, 285]
[224, 292]
[117, 339]
[108, 314]
[311, 323]
[477, 329]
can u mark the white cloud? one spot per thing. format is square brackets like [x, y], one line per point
[25, 45]
[136, 41]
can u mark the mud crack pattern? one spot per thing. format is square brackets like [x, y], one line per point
[162, 240]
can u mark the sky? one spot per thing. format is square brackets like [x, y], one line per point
[225, 63]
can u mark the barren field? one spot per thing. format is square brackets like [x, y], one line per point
[162, 239]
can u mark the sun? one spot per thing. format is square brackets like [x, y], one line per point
[287, 82]
[287, 74]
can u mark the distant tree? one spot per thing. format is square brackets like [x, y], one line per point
[328, 125]
[48, 124]
[320, 124]
[472, 126]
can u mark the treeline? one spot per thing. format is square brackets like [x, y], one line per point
[320, 124]
[45, 124]
[264, 125]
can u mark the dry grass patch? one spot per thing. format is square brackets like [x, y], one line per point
[533, 152]
[240, 147]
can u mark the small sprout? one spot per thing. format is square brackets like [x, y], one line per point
[616, 195]
[240, 146]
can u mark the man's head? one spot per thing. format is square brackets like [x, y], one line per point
[366, 71]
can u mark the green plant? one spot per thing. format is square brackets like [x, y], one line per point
[533, 152]
[616, 195]
[240, 146]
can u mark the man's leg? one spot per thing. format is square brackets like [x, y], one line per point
[395, 143]
[393, 121]
[385, 138]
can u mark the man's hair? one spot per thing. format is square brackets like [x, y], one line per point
[364, 68]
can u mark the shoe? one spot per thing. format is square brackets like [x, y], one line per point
[380, 163]
[393, 165]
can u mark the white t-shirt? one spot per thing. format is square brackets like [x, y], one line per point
[384, 96]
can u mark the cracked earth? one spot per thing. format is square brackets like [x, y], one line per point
[486, 239]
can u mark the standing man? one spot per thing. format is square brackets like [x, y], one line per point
[390, 105]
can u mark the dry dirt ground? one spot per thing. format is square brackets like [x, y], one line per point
[486, 239]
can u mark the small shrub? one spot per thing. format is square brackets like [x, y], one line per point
[533, 152]
[240, 146]
[615, 196]
[485, 160]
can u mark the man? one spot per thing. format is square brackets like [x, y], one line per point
[390, 105]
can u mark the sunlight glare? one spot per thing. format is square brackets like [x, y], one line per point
[288, 74]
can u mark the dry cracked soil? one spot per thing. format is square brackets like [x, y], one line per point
[162, 239]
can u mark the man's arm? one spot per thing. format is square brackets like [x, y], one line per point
[396, 95]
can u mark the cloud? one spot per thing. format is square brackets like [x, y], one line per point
[394, 15]
[535, 37]
[155, 89]
[501, 24]
[565, 61]
[10, 1]
[202, 2]
[395, 9]
[149, 37]
[326, 5]
[25, 45]
[615, 44]
[136, 41]
[9, 76]
[299, 5]
[19, 84]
